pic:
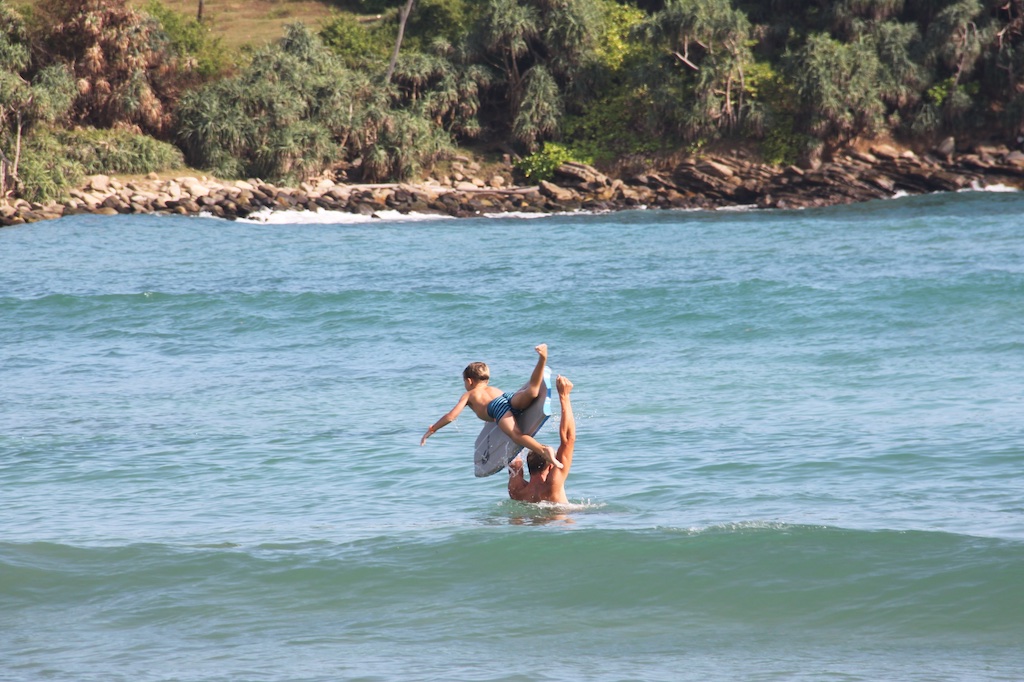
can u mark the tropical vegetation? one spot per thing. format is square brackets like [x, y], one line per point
[385, 89]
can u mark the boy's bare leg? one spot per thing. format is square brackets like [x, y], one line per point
[523, 397]
[508, 427]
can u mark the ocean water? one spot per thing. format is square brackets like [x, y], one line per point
[800, 447]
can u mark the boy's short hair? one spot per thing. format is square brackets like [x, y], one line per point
[477, 370]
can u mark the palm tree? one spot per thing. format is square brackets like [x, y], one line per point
[539, 113]
[515, 37]
[903, 78]
[848, 18]
[24, 103]
[509, 28]
[296, 110]
[125, 65]
[958, 36]
[710, 41]
[838, 89]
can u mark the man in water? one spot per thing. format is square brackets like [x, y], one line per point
[547, 484]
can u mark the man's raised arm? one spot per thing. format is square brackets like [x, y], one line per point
[567, 429]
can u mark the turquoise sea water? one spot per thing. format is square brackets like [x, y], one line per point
[800, 455]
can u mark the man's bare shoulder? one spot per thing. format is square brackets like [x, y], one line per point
[541, 490]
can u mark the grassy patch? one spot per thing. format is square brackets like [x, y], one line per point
[242, 22]
[251, 22]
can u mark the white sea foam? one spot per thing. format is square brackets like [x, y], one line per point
[572, 506]
[268, 216]
[976, 187]
[545, 508]
[738, 208]
[726, 527]
[323, 217]
[519, 214]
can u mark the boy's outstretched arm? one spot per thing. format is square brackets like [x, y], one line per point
[447, 419]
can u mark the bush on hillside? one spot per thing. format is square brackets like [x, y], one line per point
[359, 45]
[55, 160]
[542, 164]
[191, 39]
[295, 111]
[119, 151]
[46, 172]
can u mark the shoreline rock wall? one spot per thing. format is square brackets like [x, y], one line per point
[705, 183]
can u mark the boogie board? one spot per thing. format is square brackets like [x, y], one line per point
[494, 450]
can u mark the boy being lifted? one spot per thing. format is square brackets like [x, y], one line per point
[490, 404]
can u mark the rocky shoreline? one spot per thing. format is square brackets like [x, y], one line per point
[710, 182]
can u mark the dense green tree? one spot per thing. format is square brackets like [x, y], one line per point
[1005, 65]
[360, 46]
[126, 69]
[610, 119]
[555, 37]
[957, 37]
[367, 6]
[507, 32]
[838, 86]
[954, 42]
[372, 26]
[441, 87]
[569, 38]
[539, 114]
[296, 110]
[401, 144]
[24, 103]
[902, 78]
[191, 39]
[710, 43]
[447, 19]
[275, 119]
[849, 19]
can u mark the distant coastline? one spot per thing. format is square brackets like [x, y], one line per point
[709, 182]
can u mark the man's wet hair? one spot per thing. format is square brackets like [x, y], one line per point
[535, 462]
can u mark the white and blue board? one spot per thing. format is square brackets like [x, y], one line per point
[494, 450]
